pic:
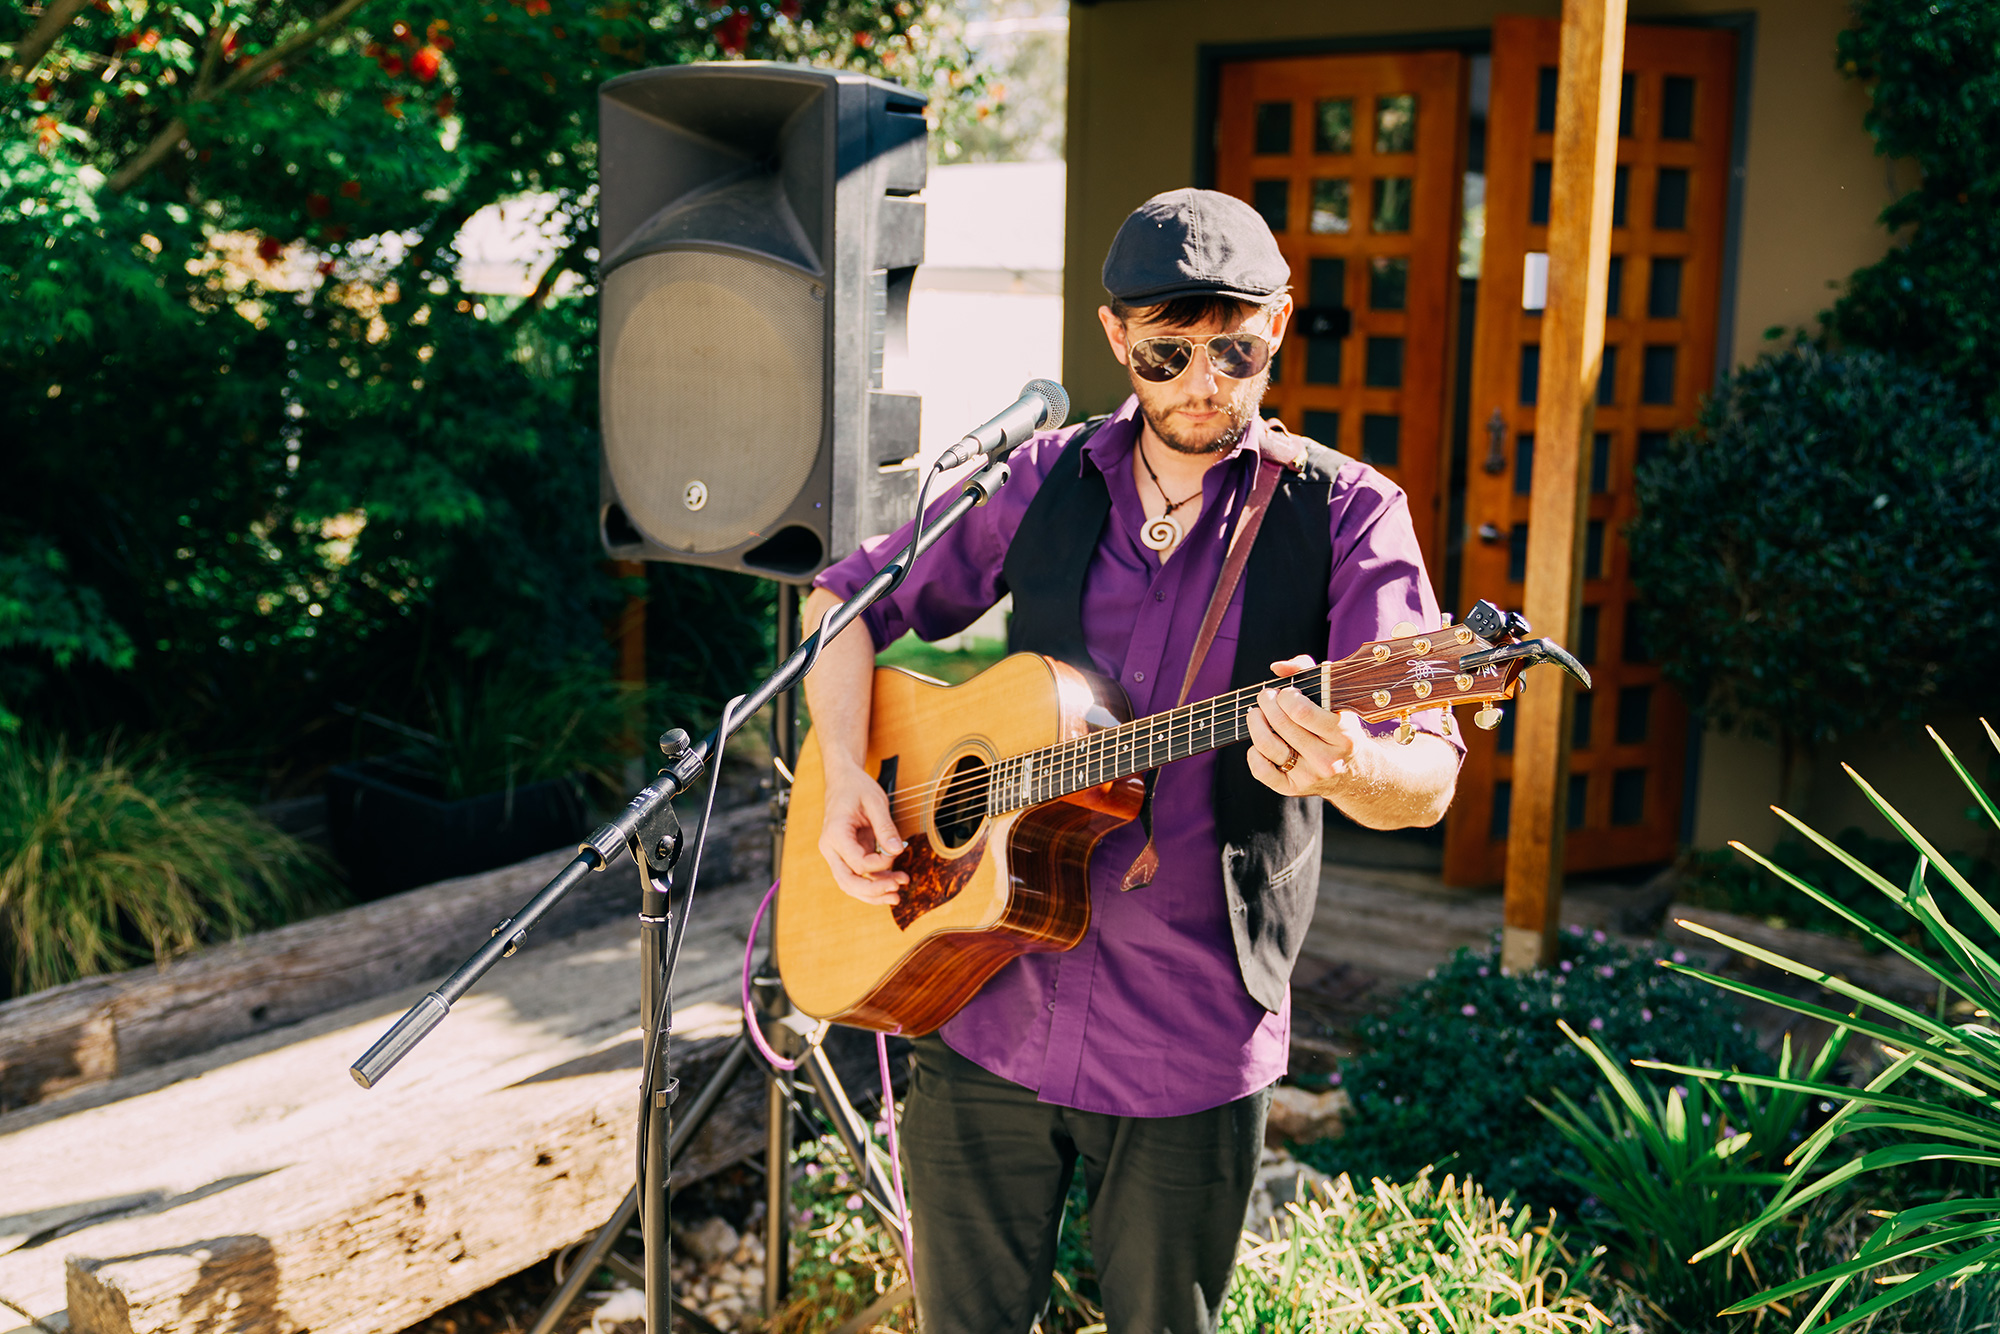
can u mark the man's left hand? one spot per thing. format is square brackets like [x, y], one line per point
[1298, 748]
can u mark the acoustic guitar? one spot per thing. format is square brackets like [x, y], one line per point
[1002, 786]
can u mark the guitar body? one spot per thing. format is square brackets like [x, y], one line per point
[983, 889]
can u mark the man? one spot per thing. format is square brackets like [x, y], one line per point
[1148, 1051]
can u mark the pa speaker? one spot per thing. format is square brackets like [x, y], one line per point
[758, 239]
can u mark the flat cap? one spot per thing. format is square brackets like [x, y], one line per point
[1194, 243]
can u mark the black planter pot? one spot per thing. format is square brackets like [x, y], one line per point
[392, 829]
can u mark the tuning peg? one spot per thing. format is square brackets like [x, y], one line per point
[1402, 630]
[1488, 716]
[1406, 732]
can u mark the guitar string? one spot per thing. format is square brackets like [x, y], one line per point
[962, 796]
[1080, 753]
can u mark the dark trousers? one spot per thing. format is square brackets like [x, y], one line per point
[987, 1168]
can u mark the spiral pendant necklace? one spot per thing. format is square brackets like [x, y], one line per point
[1163, 533]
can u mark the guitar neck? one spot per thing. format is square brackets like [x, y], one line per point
[1147, 743]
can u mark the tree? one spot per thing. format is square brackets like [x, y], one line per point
[1935, 100]
[1821, 553]
[265, 436]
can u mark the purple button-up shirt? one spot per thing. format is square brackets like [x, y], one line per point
[1148, 1015]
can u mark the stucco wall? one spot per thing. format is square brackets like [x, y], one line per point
[1812, 189]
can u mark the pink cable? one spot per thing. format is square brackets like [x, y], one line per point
[755, 1031]
[750, 1024]
[895, 1154]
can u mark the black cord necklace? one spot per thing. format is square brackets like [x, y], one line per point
[1163, 533]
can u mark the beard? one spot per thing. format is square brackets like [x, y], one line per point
[1239, 410]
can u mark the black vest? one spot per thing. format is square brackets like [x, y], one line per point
[1270, 843]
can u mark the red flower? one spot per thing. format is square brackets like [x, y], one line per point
[392, 64]
[318, 205]
[44, 91]
[326, 268]
[393, 104]
[789, 8]
[864, 40]
[446, 104]
[229, 43]
[733, 33]
[350, 189]
[269, 249]
[148, 40]
[424, 63]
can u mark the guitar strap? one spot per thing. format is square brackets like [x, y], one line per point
[1279, 451]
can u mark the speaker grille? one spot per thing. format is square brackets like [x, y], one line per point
[713, 374]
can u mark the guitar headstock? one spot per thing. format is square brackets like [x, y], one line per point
[1477, 661]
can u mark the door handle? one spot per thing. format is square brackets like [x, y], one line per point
[1496, 443]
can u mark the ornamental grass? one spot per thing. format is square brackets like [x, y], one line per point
[119, 856]
[1421, 1258]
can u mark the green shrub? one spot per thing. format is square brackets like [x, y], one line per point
[1447, 1074]
[120, 857]
[1430, 1255]
[1934, 102]
[1821, 554]
[507, 726]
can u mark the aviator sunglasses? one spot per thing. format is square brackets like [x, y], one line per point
[1236, 356]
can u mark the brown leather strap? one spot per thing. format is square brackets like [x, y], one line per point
[1279, 450]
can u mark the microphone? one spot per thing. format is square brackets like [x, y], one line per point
[1043, 405]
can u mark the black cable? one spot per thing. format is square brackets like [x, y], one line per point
[677, 928]
[657, 1031]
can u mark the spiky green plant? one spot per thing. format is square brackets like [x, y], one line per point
[1426, 1255]
[121, 856]
[1919, 1246]
[1673, 1170]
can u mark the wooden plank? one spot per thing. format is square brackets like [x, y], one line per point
[86, 1033]
[1586, 150]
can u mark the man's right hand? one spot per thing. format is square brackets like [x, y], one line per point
[859, 838]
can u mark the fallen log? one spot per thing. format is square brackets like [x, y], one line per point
[255, 1188]
[93, 1030]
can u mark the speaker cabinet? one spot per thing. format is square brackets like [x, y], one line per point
[758, 238]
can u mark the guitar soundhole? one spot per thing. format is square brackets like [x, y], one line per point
[961, 806]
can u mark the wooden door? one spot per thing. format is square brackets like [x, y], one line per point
[1629, 743]
[1357, 163]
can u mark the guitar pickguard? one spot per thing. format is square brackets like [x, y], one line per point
[934, 881]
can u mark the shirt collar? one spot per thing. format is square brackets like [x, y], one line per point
[1111, 445]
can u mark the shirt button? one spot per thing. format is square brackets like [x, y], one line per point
[1159, 595]
[1052, 1005]
[1138, 676]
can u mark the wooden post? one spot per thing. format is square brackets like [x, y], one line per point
[1586, 152]
[629, 635]
[631, 631]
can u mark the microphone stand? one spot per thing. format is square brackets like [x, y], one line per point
[650, 831]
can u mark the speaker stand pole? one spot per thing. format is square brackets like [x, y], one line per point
[779, 1092]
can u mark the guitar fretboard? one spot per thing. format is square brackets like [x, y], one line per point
[1056, 771]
